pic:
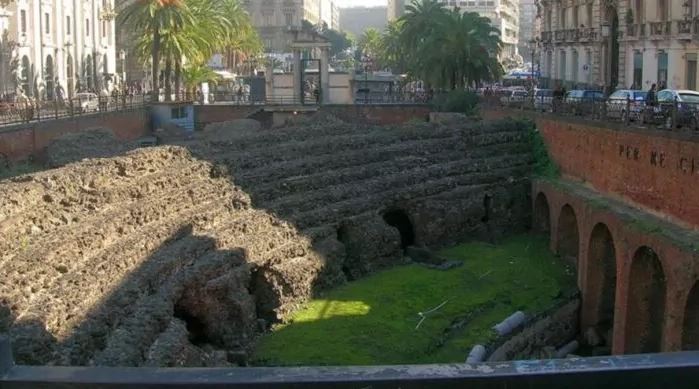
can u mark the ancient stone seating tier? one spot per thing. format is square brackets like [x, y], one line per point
[179, 255]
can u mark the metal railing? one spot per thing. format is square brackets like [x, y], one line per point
[666, 115]
[27, 110]
[636, 371]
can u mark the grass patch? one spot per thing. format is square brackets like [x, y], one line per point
[19, 169]
[373, 320]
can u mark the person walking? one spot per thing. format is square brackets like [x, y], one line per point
[651, 102]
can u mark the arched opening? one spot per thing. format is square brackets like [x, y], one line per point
[48, 78]
[601, 277]
[542, 214]
[690, 329]
[400, 220]
[26, 76]
[646, 303]
[568, 238]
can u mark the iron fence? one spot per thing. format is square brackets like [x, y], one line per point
[672, 115]
[29, 110]
[637, 371]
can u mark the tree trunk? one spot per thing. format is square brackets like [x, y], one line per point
[178, 76]
[167, 79]
[155, 54]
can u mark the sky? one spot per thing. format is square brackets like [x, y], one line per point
[357, 3]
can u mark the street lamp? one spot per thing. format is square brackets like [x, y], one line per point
[366, 62]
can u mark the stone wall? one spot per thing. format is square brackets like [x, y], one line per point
[22, 141]
[179, 255]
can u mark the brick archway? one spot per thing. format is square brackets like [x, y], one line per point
[645, 303]
[542, 214]
[568, 242]
[601, 269]
[690, 328]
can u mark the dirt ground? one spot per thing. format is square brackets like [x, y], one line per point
[180, 255]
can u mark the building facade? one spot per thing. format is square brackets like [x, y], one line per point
[59, 44]
[274, 19]
[356, 20]
[395, 9]
[529, 26]
[611, 44]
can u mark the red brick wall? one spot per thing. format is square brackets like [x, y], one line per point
[651, 169]
[22, 141]
[680, 265]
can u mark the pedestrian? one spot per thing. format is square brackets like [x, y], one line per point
[650, 103]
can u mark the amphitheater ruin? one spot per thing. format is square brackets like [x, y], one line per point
[184, 253]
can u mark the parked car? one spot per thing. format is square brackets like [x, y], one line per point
[687, 104]
[583, 102]
[543, 100]
[86, 102]
[623, 100]
[516, 97]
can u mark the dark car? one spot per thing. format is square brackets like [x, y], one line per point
[584, 102]
[686, 104]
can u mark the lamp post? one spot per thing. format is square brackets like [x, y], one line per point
[366, 62]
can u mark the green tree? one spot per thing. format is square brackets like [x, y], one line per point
[370, 45]
[445, 48]
[194, 75]
[153, 18]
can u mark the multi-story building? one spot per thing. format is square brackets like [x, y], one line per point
[620, 43]
[395, 9]
[659, 44]
[528, 25]
[356, 20]
[335, 17]
[70, 43]
[274, 19]
[328, 14]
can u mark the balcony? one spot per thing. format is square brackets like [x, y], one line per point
[546, 36]
[684, 29]
[659, 30]
[559, 35]
[587, 34]
[572, 35]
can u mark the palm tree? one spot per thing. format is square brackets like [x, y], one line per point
[154, 18]
[392, 50]
[370, 44]
[196, 74]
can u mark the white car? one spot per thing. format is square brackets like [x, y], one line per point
[86, 102]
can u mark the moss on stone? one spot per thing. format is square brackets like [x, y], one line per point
[374, 320]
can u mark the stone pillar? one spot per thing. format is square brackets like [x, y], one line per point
[297, 76]
[324, 75]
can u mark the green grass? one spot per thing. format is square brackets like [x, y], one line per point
[373, 320]
[19, 169]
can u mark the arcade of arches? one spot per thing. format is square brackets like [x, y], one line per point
[640, 291]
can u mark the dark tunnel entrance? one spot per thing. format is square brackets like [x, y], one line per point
[400, 220]
[195, 327]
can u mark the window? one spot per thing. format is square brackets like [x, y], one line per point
[289, 18]
[47, 23]
[104, 29]
[575, 17]
[562, 66]
[23, 20]
[640, 11]
[588, 20]
[662, 69]
[574, 78]
[178, 113]
[638, 70]
[87, 27]
[662, 9]
[67, 25]
[691, 71]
